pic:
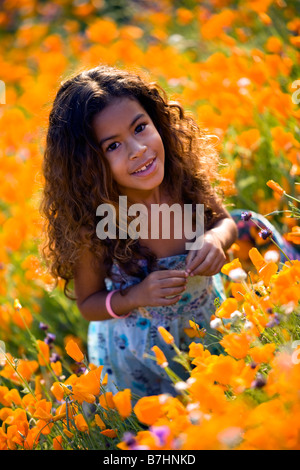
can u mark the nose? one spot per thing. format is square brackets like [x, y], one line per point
[136, 149]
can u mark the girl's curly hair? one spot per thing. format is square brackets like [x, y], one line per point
[78, 177]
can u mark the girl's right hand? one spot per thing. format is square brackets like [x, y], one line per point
[157, 286]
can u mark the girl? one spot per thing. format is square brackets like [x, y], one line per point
[113, 133]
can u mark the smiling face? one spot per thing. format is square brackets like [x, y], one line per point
[132, 145]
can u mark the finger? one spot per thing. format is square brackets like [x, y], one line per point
[203, 265]
[170, 273]
[172, 291]
[191, 255]
[172, 301]
[208, 268]
[173, 282]
[201, 255]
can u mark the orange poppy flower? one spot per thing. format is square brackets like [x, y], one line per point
[249, 139]
[167, 337]
[264, 353]
[56, 367]
[44, 352]
[274, 45]
[57, 443]
[74, 351]
[99, 422]
[43, 410]
[265, 269]
[276, 187]
[222, 370]
[13, 396]
[109, 433]
[81, 423]
[238, 291]
[234, 264]
[236, 345]
[148, 409]
[106, 400]
[160, 357]
[102, 31]
[294, 235]
[26, 368]
[227, 308]
[184, 16]
[122, 400]
[57, 391]
[197, 350]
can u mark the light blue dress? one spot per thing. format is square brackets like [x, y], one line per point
[120, 344]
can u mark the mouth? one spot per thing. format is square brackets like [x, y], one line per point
[146, 169]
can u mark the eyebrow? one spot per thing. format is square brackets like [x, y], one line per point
[115, 136]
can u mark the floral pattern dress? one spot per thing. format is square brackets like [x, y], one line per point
[123, 346]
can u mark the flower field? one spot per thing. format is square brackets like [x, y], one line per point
[236, 65]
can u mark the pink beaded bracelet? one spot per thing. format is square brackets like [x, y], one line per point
[108, 306]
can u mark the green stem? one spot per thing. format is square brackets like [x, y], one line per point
[291, 197]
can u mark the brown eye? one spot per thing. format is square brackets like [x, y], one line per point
[140, 128]
[112, 147]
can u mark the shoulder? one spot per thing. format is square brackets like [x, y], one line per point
[89, 272]
[216, 209]
[89, 254]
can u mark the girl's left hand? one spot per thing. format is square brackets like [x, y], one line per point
[209, 259]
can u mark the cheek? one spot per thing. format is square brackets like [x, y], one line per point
[157, 140]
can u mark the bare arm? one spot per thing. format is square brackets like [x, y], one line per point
[224, 226]
[91, 292]
[154, 290]
[216, 240]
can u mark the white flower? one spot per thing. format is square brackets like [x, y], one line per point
[163, 398]
[272, 255]
[248, 325]
[243, 82]
[236, 315]
[195, 417]
[175, 39]
[237, 275]
[191, 380]
[216, 323]
[181, 386]
[231, 436]
[192, 406]
[288, 308]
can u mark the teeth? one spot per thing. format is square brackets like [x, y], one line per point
[144, 167]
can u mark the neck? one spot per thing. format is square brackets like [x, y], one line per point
[153, 196]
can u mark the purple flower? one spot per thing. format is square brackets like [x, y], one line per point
[274, 321]
[129, 439]
[266, 233]
[259, 382]
[161, 432]
[54, 357]
[50, 338]
[246, 216]
[80, 370]
[43, 326]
